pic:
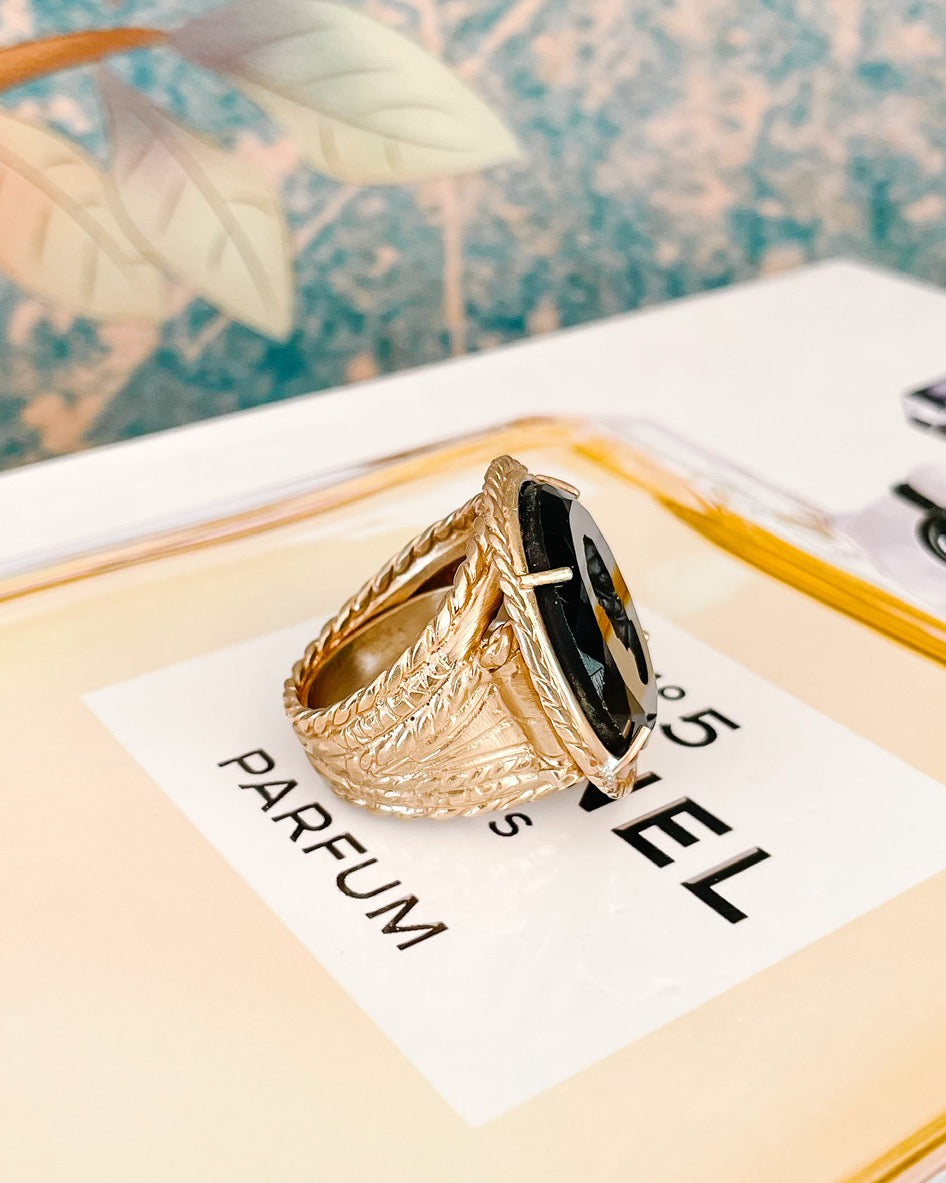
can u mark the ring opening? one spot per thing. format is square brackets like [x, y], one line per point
[377, 644]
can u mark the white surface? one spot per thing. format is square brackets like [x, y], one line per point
[798, 377]
[548, 962]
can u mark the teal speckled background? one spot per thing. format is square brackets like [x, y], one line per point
[670, 147]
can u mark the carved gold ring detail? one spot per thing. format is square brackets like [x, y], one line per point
[498, 657]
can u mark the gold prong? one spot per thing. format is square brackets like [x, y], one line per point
[542, 578]
[556, 483]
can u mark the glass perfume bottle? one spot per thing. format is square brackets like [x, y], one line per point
[741, 586]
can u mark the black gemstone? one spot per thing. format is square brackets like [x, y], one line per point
[590, 619]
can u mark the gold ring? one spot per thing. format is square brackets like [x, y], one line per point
[498, 657]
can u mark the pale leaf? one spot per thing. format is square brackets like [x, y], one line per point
[58, 234]
[211, 218]
[362, 102]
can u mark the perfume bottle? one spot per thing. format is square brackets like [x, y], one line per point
[743, 570]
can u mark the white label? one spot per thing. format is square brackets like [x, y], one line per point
[558, 935]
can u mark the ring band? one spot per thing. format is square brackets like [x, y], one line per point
[495, 659]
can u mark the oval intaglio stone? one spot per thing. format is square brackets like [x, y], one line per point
[590, 619]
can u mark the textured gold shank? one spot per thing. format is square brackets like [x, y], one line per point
[455, 724]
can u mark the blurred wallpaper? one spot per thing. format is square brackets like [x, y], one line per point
[206, 207]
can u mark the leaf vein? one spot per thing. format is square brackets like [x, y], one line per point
[349, 123]
[72, 208]
[328, 143]
[38, 240]
[137, 161]
[348, 72]
[91, 272]
[197, 175]
[216, 251]
[267, 39]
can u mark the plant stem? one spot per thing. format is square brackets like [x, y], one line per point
[33, 59]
